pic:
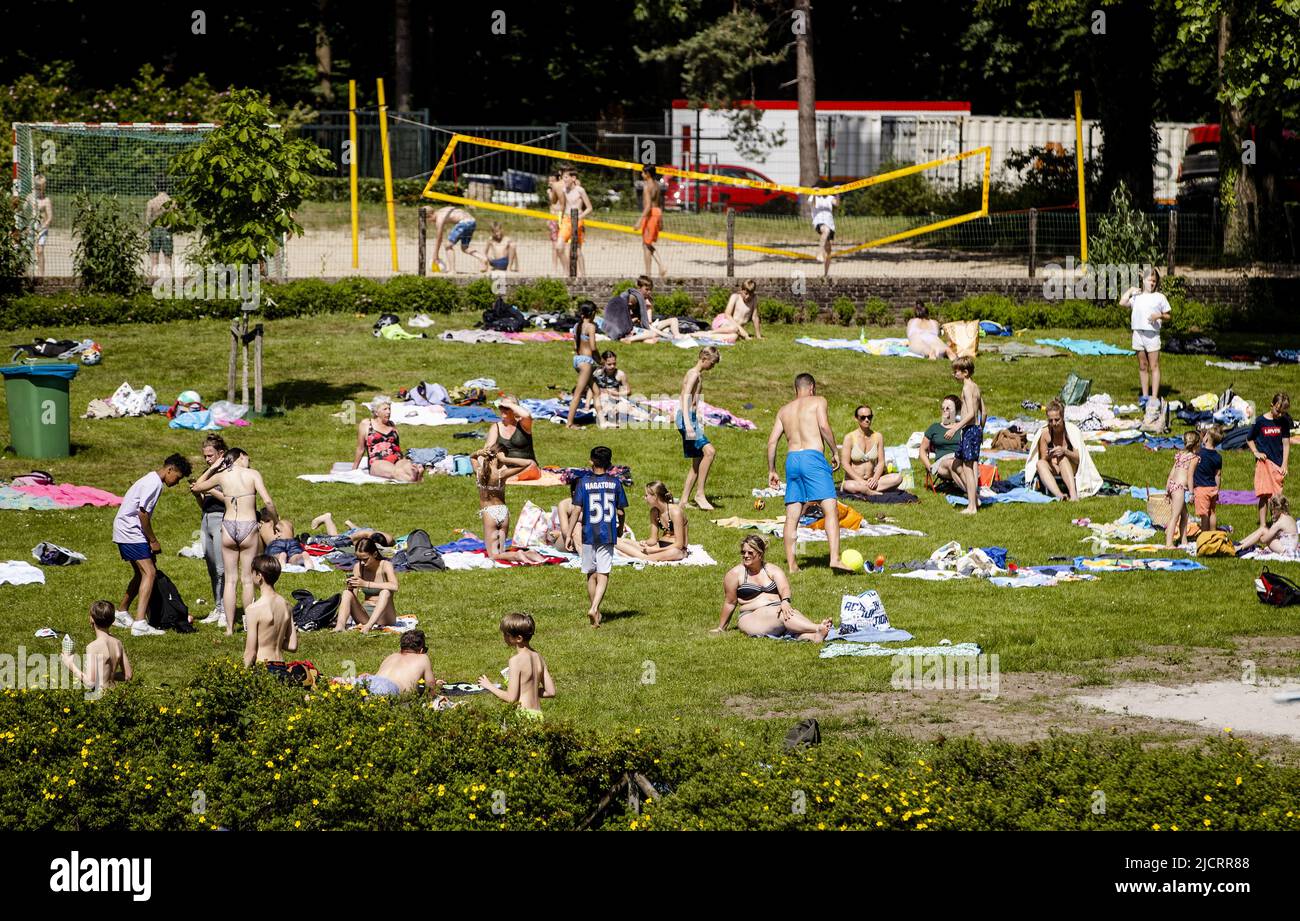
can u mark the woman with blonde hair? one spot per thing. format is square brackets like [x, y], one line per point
[762, 593]
[379, 444]
[667, 541]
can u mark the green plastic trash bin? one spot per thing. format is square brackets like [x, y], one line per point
[37, 396]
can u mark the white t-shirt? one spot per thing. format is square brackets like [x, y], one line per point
[821, 211]
[143, 495]
[1142, 306]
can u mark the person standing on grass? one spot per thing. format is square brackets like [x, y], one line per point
[529, 679]
[575, 199]
[270, 627]
[808, 476]
[555, 200]
[823, 221]
[970, 424]
[600, 501]
[1208, 479]
[652, 218]
[1148, 310]
[40, 210]
[1270, 442]
[160, 238]
[695, 445]
[138, 545]
[212, 506]
[584, 358]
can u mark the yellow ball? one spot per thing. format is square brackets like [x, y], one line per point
[759, 505]
[851, 559]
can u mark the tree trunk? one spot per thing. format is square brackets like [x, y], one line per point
[402, 55]
[807, 84]
[324, 54]
[1122, 62]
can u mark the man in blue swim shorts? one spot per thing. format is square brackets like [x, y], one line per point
[806, 425]
[462, 225]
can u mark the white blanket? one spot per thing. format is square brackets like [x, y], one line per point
[1086, 479]
[343, 472]
[19, 572]
[696, 555]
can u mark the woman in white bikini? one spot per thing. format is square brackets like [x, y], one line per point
[1280, 535]
[492, 468]
[240, 487]
[762, 592]
[923, 335]
[863, 458]
[584, 358]
[667, 541]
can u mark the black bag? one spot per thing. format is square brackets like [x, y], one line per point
[1276, 590]
[687, 325]
[804, 732]
[420, 555]
[1234, 438]
[310, 614]
[503, 317]
[167, 610]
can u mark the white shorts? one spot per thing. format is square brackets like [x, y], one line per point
[1146, 340]
[598, 558]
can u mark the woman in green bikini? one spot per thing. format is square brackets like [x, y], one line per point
[240, 486]
[376, 580]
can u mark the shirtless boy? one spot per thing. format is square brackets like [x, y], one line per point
[463, 226]
[403, 670]
[574, 198]
[160, 238]
[555, 202]
[652, 217]
[529, 679]
[500, 253]
[808, 476]
[105, 662]
[41, 211]
[271, 630]
[694, 444]
[970, 422]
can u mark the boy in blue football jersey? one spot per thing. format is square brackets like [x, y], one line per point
[600, 500]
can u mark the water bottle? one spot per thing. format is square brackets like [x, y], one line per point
[68, 644]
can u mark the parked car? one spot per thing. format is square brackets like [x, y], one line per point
[693, 195]
[1198, 174]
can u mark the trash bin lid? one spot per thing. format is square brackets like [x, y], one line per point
[62, 369]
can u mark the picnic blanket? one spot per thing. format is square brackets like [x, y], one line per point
[412, 413]
[64, 495]
[1130, 564]
[1085, 346]
[707, 413]
[776, 526]
[890, 347]
[696, 555]
[830, 651]
[343, 472]
[20, 572]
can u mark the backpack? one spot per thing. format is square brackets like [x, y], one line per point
[503, 317]
[804, 732]
[687, 325]
[1276, 590]
[1076, 390]
[310, 614]
[420, 555]
[301, 673]
[167, 610]
[385, 320]
[48, 554]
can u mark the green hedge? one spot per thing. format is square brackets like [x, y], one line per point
[235, 749]
[405, 191]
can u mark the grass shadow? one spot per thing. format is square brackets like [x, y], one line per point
[305, 392]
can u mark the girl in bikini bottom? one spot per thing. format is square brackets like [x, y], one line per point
[499, 513]
[239, 531]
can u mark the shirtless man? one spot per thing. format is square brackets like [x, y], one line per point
[403, 670]
[41, 212]
[463, 226]
[808, 477]
[500, 253]
[694, 444]
[742, 306]
[160, 238]
[271, 630]
[575, 197]
[530, 679]
[652, 217]
[970, 423]
[105, 662]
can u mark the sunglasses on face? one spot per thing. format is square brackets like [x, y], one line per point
[864, 418]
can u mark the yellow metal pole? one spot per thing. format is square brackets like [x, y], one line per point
[388, 172]
[1078, 160]
[352, 166]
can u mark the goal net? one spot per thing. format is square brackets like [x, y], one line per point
[766, 233]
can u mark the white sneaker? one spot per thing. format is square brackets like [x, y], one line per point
[420, 321]
[123, 619]
[216, 617]
[142, 628]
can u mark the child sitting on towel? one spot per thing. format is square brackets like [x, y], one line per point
[529, 679]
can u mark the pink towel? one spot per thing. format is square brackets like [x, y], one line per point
[68, 496]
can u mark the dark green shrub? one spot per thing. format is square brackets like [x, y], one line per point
[878, 312]
[674, 304]
[478, 295]
[909, 194]
[409, 294]
[546, 295]
[844, 311]
[110, 246]
[717, 299]
[774, 310]
[362, 295]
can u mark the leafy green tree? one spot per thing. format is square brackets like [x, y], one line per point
[1123, 235]
[110, 246]
[1258, 46]
[240, 187]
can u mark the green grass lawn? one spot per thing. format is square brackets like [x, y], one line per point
[657, 619]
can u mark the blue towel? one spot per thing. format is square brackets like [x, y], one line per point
[892, 635]
[1020, 494]
[426, 456]
[988, 327]
[998, 555]
[1162, 442]
[472, 414]
[1159, 565]
[1085, 346]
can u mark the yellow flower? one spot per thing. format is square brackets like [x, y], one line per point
[1208, 798]
[1155, 827]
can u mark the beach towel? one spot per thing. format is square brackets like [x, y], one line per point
[1086, 479]
[20, 572]
[844, 649]
[343, 472]
[65, 495]
[1129, 564]
[1018, 494]
[1085, 346]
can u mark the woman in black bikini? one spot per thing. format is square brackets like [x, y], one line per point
[667, 540]
[514, 433]
[378, 442]
[240, 486]
[762, 593]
